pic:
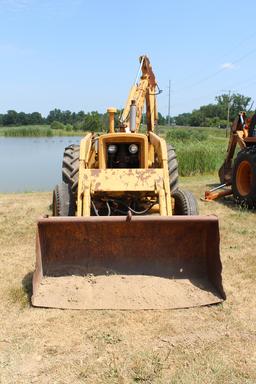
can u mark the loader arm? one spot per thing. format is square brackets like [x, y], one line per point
[141, 92]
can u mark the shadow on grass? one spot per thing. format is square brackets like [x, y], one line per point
[229, 201]
[27, 286]
[21, 294]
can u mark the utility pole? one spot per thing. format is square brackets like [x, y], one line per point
[229, 100]
[169, 103]
[228, 109]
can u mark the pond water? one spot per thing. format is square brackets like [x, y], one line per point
[32, 164]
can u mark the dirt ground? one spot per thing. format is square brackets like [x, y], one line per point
[214, 344]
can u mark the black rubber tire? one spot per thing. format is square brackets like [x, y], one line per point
[70, 166]
[245, 197]
[185, 203]
[63, 201]
[173, 168]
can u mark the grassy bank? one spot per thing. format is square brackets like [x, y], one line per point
[199, 150]
[214, 344]
[37, 131]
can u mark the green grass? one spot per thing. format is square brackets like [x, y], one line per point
[199, 150]
[198, 158]
[27, 131]
[37, 131]
[187, 135]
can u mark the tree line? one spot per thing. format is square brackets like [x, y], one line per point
[207, 116]
[215, 115]
[58, 119]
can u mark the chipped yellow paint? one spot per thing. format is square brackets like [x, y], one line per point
[85, 147]
[128, 180]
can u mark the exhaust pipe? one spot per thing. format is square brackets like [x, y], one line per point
[133, 116]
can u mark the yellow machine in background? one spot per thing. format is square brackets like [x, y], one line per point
[124, 236]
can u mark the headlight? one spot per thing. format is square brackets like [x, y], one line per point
[133, 148]
[112, 148]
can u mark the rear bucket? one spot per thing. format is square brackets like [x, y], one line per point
[111, 263]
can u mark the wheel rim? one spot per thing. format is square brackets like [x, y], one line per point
[244, 178]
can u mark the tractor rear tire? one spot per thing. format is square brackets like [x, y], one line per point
[173, 168]
[63, 201]
[70, 166]
[185, 203]
[244, 178]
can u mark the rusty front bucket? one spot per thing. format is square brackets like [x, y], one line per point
[113, 263]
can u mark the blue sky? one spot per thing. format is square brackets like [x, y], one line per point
[84, 54]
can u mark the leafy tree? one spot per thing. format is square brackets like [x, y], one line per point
[66, 117]
[79, 116]
[36, 118]
[183, 119]
[237, 102]
[215, 114]
[197, 118]
[161, 119]
[54, 115]
[23, 118]
[11, 118]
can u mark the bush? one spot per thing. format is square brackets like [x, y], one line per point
[68, 127]
[215, 122]
[57, 125]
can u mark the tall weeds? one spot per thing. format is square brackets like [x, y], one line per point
[29, 131]
[198, 151]
[38, 131]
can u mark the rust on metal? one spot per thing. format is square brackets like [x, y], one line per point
[213, 195]
[176, 262]
[125, 179]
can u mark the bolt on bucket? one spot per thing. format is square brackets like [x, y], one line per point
[113, 263]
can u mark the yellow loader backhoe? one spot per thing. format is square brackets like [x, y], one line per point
[123, 235]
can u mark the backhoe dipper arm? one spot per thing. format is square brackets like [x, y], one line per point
[140, 92]
[237, 134]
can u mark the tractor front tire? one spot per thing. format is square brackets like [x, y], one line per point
[244, 178]
[185, 203]
[70, 166]
[63, 201]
